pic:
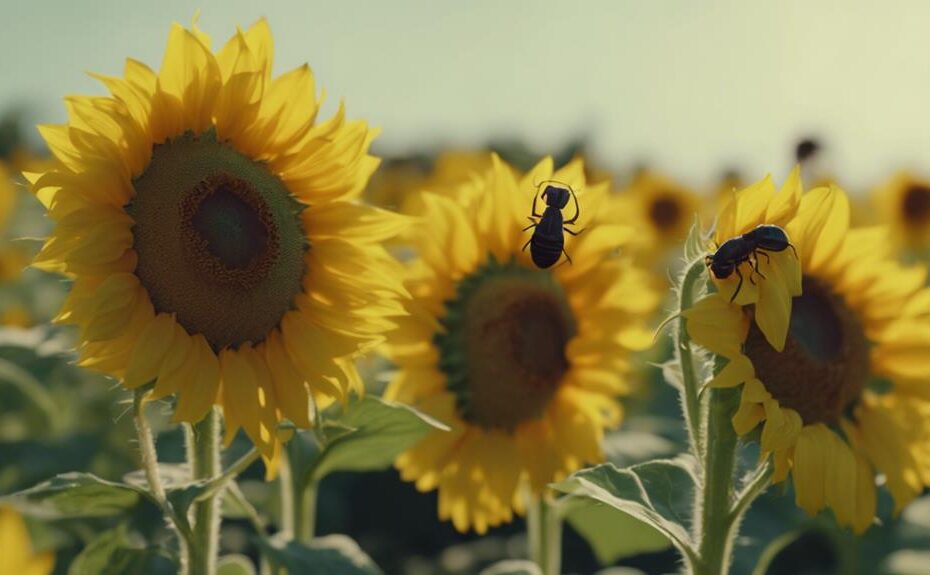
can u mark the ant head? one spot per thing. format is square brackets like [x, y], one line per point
[557, 197]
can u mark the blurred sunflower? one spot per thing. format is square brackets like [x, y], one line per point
[12, 259]
[848, 396]
[661, 209]
[399, 184]
[904, 205]
[17, 557]
[524, 364]
[207, 219]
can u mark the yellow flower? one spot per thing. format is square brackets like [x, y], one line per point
[16, 554]
[399, 184]
[770, 280]
[208, 221]
[523, 364]
[903, 204]
[848, 397]
[661, 209]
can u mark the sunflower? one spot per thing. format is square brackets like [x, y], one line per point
[660, 208]
[903, 203]
[17, 556]
[523, 364]
[208, 221]
[847, 397]
[400, 183]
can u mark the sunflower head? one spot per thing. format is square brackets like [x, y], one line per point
[904, 205]
[659, 207]
[859, 318]
[209, 222]
[523, 363]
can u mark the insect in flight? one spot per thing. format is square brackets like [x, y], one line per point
[547, 244]
[746, 248]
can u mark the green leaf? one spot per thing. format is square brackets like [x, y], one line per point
[333, 554]
[77, 495]
[113, 553]
[513, 567]
[235, 565]
[658, 493]
[372, 432]
[613, 534]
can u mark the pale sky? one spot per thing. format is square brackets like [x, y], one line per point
[691, 87]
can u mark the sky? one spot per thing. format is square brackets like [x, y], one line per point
[689, 87]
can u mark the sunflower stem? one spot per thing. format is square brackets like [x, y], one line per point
[691, 399]
[203, 455]
[716, 527]
[147, 446]
[544, 531]
[305, 513]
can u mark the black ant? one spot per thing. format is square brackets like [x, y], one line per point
[547, 243]
[746, 248]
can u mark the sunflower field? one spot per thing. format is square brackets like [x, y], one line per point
[238, 336]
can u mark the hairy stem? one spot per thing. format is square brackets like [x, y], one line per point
[715, 534]
[690, 383]
[544, 531]
[204, 458]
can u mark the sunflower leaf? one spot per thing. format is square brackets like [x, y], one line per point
[513, 567]
[330, 554]
[114, 552]
[371, 433]
[77, 495]
[657, 493]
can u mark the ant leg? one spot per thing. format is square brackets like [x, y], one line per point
[738, 286]
[526, 244]
[766, 254]
[794, 250]
[568, 257]
[754, 263]
[533, 225]
[578, 233]
[577, 209]
[536, 197]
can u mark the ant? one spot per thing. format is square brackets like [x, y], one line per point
[547, 243]
[746, 248]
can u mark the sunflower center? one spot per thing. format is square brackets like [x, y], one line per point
[503, 346]
[219, 240]
[915, 205]
[665, 212]
[825, 364]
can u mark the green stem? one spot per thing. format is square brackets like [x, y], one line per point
[147, 446]
[544, 531]
[305, 513]
[715, 532]
[204, 457]
[691, 401]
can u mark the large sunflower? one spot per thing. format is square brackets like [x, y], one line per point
[524, 364]
[207, 219]
[848, 396]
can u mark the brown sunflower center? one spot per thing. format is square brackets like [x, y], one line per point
[825, 364]
[915, 205]
[665, 212]
[503, 349]
[219, 240]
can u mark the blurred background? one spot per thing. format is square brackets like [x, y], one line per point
[691, 88]
[671, 100]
